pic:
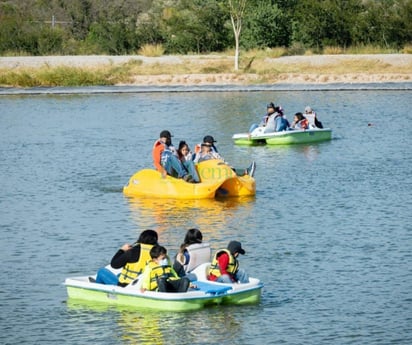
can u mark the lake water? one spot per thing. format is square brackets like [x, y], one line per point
[329, 231]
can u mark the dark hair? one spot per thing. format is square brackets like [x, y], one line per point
[157, 250]
[279, 110]
[148, 237]
[193, 236]
[182, 144]
[299, 116]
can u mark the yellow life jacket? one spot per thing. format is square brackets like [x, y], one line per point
[232, 266]
[133, 269]
[157, 272]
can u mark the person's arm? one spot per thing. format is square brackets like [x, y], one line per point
[278, 123]
[223, 261]
[173, 273]
[124, 255]
[216, 155]
[179, 269]
[157, 154]
[197, 157]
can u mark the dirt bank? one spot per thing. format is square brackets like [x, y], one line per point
[290, 69]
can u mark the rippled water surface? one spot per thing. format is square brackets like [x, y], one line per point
[329, 231]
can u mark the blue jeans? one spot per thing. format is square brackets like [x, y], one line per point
[241, 276]
[191, 276]
[105, 276]
[171, 163]
[190, 167]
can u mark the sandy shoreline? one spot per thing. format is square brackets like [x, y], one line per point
[401, 62]
[282, 78]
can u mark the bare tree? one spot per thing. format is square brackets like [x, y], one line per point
[237, 10]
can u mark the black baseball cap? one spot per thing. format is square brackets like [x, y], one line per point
[209, 139]
[165, 134]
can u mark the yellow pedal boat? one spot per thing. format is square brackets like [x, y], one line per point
[217, 179]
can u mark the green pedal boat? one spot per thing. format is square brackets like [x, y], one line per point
[206, 293]
[296, 136]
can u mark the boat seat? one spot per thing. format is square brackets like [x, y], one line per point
[212, 289]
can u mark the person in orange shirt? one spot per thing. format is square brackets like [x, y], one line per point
[166, 161]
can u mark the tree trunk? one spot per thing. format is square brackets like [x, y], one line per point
[237, 9]
[236, 31]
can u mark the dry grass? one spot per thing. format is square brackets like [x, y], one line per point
[369, 49]
[151, 50]
[256, 67]
[333, 50]
[354, 65]
[62, 76]
[407, 49]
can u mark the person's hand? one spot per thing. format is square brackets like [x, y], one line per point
[180, 258]
[164, 174]
[125, 247]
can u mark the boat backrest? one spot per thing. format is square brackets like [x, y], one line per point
[271, 124]
[311, 120]
[199, 254]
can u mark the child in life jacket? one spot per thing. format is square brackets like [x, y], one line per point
[160, 276]
[225, 266]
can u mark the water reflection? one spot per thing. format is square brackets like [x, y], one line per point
[206, 213]
[310, 152]
[161, 327]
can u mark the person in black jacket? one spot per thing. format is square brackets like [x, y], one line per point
[131, 258]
